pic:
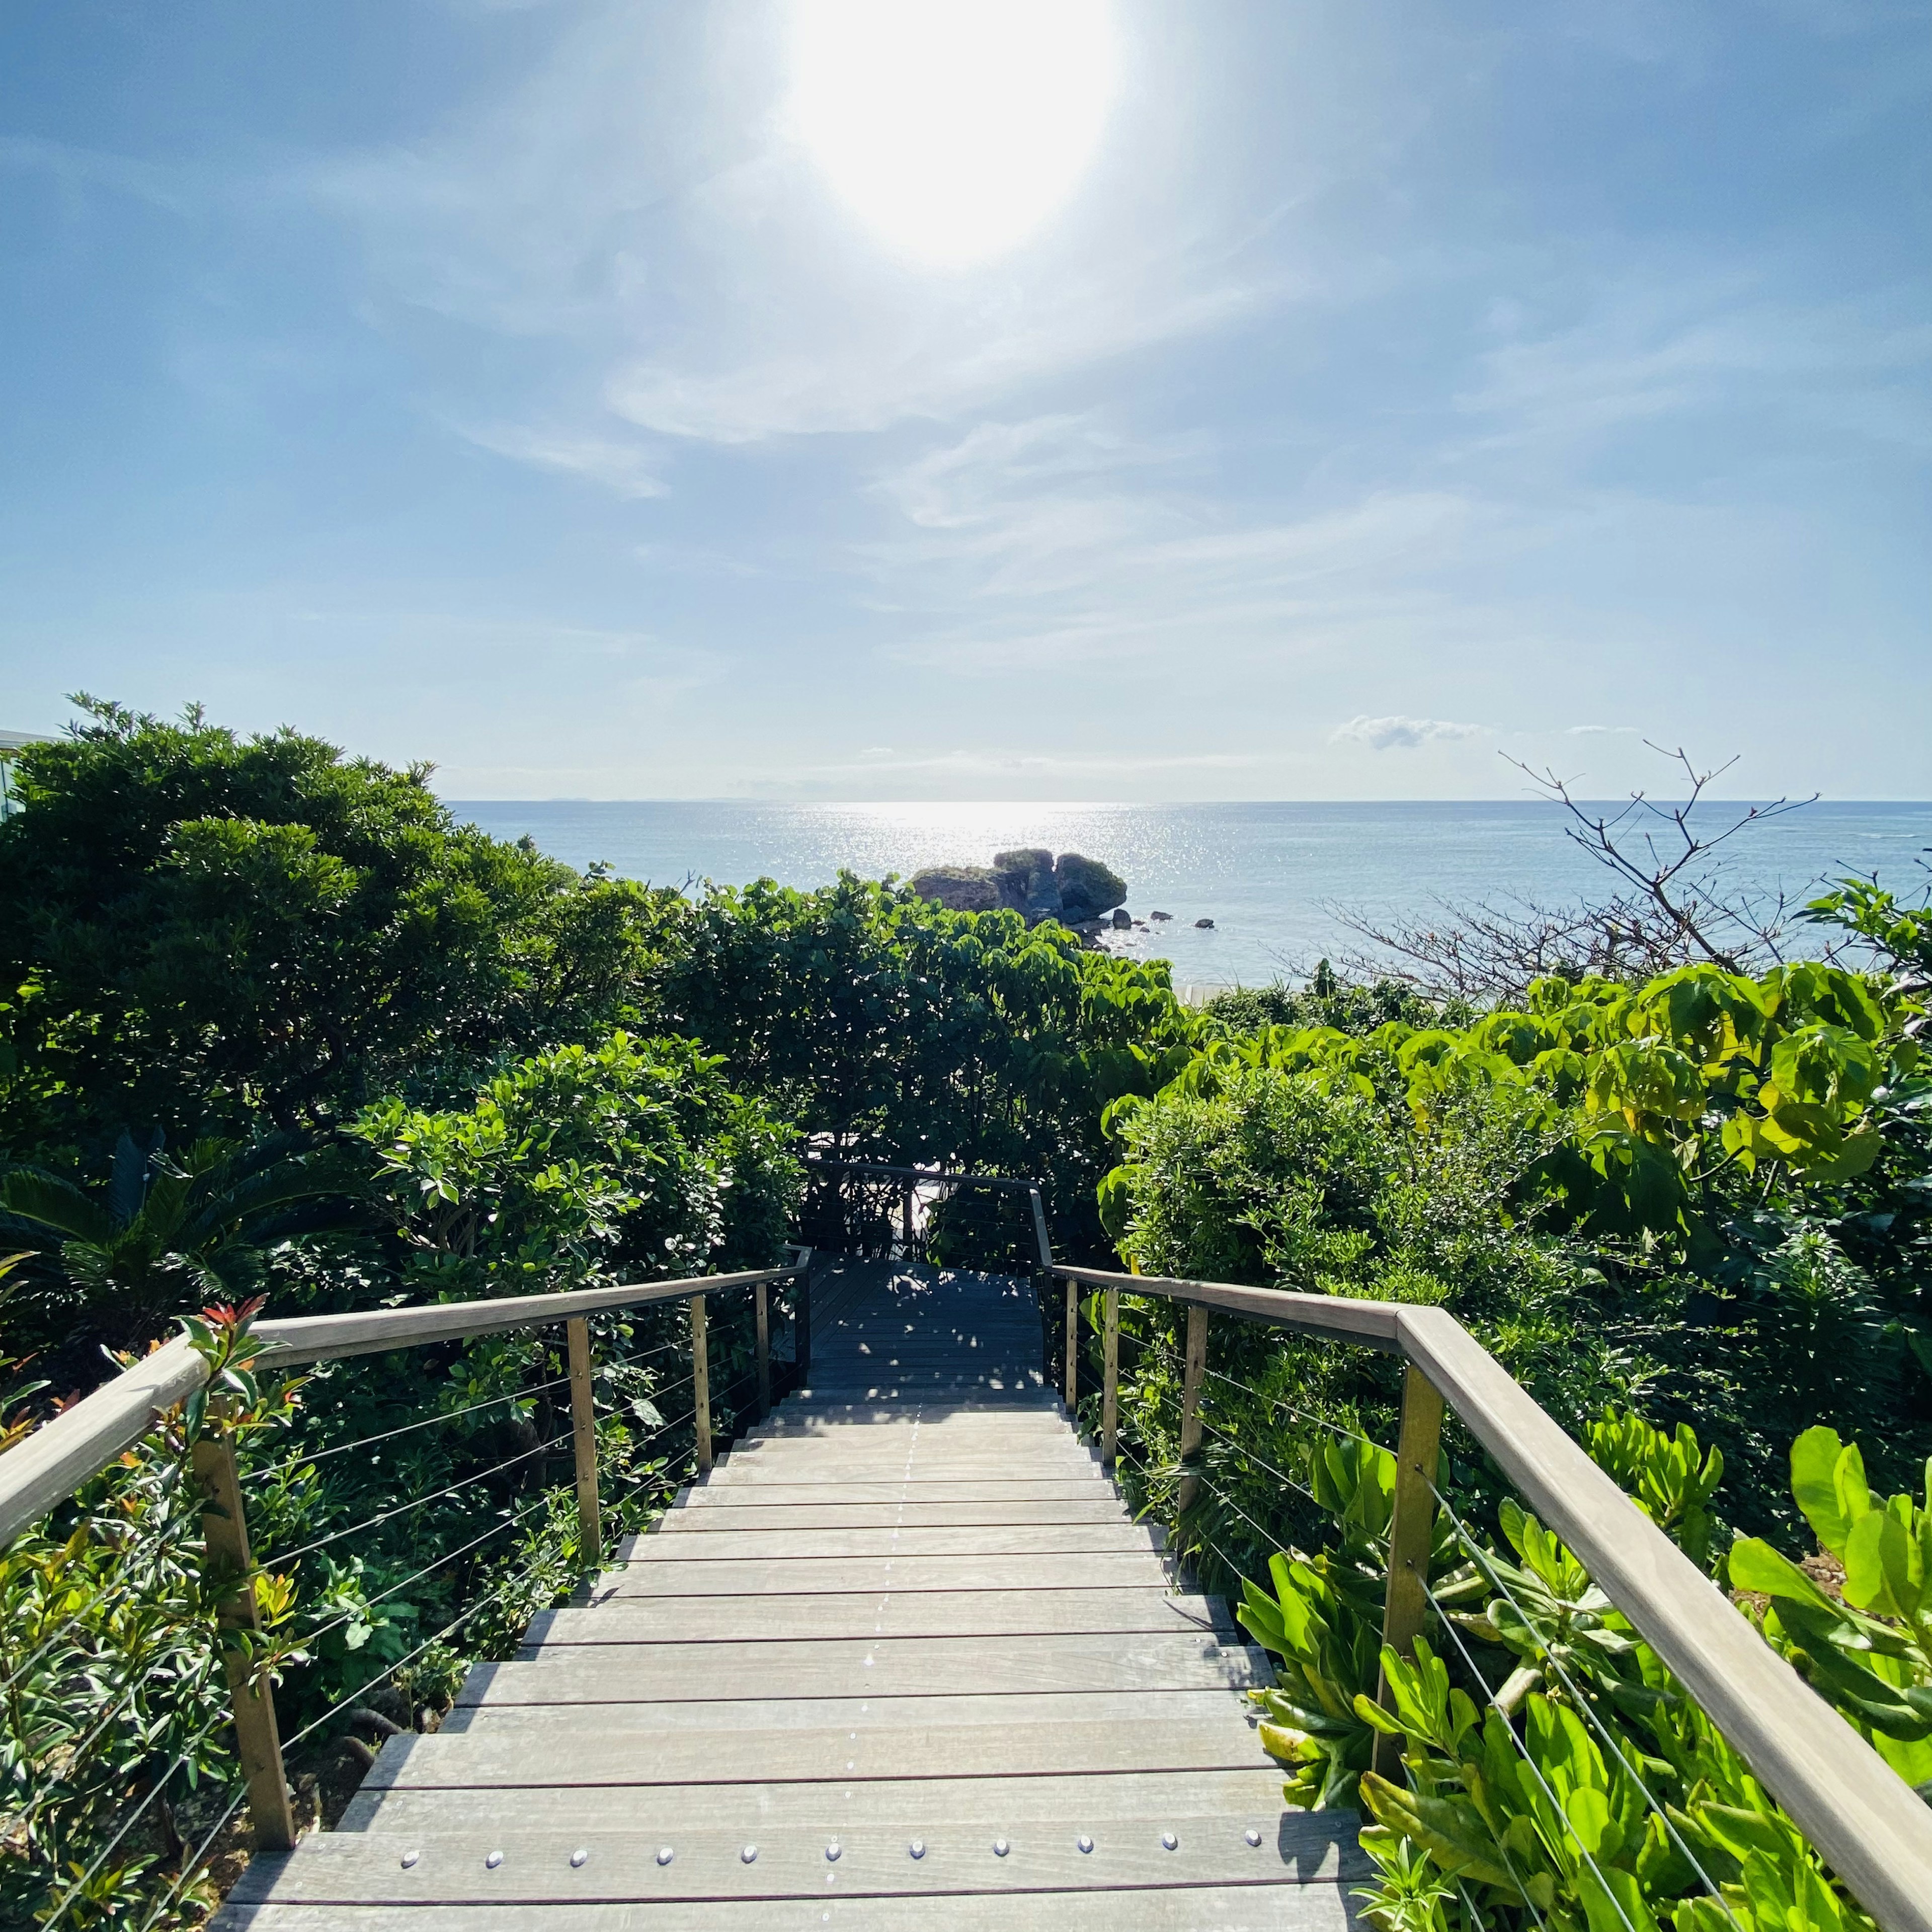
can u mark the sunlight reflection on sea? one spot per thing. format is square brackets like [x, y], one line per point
[1270, 876]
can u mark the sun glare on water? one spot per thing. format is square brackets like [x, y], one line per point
[953, 127]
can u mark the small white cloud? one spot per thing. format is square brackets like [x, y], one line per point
[1600, 731]
[1400, 733]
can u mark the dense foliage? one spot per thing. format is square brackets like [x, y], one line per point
[272, 1023]
[1703, 1197]
[1669, 1193]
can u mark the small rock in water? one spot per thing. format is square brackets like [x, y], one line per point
[1160, 915]
[1122, 918]
[1203, 925]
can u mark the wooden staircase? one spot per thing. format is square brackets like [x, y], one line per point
[903, 1662]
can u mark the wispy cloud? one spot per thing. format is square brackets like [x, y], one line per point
[167, 185]
[1665, 343]
[622, 467]
[643, 197]
[1060, 540]
[1400, 733]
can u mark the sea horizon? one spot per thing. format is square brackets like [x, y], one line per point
[1276, 877]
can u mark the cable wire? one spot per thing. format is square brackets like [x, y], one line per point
[529, 1509]
[128, 1823]
[1522, 1752]
[403, 1509]
[128, 1557]
[1482, 1559]
[436, 1636]
[191, 1865]
[408, 1428]
[1280, 1475]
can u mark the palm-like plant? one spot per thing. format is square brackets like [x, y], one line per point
[165, 1234]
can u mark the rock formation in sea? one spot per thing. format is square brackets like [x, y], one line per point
[961, 888]
[1033, 884]
[1087, 888]
[1029, 880]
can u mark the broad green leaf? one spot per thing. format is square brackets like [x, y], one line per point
[1754, 1565]
[1588, 1811]
[1612, 1900]
[1878, 1566]
[1291, 1747]
[1911, 1757]
[1745, 1834]
[1862, 1146]
[1451, 1832]
[1815, 1458]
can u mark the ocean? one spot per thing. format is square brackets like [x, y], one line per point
[1272, 877]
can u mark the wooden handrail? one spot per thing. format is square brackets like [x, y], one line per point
[1871, 1827]
[328, 1338]
[814, 1162]
[42, 1472]
[1373, 1324]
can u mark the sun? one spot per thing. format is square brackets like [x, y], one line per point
[953, 128]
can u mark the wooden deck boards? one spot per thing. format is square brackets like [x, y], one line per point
[908, 1610]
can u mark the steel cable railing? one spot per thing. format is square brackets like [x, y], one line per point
[1481, 1557]
[348, 1702]
[135, 1736]
[378, 1517]
[1585, 1706]
[307, 1457]
[1157, 1371]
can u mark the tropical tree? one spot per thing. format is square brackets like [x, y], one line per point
[161, 1234]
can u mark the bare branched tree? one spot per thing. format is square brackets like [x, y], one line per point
[1674, 876]
[1671, 907]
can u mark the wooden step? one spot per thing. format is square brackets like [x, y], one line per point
[985, 1613]
[1253, 1797]
[510, 1749]
[767, 1492]
[1013, 1539]
[910, 1514]
[816, 1575]
[516, 1866]
[874, 1667]
[476, 1712]
[779, 1462]
[1317, 1906]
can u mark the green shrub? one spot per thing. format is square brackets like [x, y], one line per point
[1554, 1771]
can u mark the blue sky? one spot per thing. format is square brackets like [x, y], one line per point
[1397, 386]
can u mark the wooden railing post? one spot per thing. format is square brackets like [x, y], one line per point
[1411, 1533]
[583, 1440]
[801, 1325]
[905, 1222]
[762, 1306]
[1190, 1405]
[701, 1386]
[1110, 1377]
[1073, 1348]
[258, 1743]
